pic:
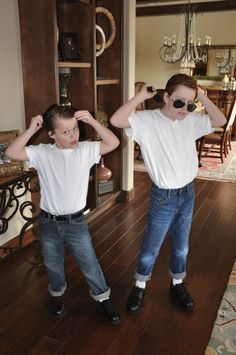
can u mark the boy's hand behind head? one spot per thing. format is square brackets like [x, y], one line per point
[148, 91]
[84, 116]
[200, 92]
[36, 123]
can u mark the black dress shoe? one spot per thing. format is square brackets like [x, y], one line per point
[180, 293]
[135, 299]
[57, 306]
[110, 311]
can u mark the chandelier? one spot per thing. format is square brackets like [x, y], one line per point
[186, 48]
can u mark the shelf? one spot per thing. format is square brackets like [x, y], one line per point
[74, 65]
[107, 81]
[93, 79]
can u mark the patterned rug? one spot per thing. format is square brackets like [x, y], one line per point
[223, 337]
[212, 168]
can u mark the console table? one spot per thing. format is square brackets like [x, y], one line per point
[12, 188]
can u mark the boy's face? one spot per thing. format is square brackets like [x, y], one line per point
[182, 96]
[66, 133]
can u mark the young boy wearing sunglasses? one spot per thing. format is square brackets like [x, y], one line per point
[167, 138]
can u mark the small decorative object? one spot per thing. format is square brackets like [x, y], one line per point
[225, 82]
[64, 79]
[9, 166]
[105, 187]
[103, 173]
[101, 117]
[101, 46]
[69, 45]
[103, 10]
[232, 83]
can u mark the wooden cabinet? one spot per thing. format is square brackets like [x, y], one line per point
[95, 80]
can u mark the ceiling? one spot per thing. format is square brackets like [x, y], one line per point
[167, 7]
[172, 2]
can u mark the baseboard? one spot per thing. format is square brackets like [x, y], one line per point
[126, 196]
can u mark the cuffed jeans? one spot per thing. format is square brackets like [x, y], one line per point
[169, 210]
[53, 234]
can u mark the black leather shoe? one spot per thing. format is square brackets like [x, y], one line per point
[135, 299]
[57, 306]
[180, 293]
[110, 311]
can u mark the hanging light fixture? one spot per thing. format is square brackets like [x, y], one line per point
[186, 49]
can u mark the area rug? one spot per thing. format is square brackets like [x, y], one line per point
[212, 168]
[223, 337]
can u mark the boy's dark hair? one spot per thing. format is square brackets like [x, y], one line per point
[180, 79]
[55, 111]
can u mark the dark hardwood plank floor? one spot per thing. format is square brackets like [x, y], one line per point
[26, 326]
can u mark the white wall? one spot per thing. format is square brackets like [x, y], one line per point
[149, 37]
[11, 86]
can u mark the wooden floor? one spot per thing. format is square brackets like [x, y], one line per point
[26, 326]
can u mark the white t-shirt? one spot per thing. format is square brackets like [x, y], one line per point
[168, 147]
[63, 175]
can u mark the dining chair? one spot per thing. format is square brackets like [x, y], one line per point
[220, 140]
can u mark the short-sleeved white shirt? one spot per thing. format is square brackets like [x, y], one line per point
[168, 147]
[63, 175]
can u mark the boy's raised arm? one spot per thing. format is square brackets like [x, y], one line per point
[217, 117]
[109, 140]
[120, 117]
[16, 149]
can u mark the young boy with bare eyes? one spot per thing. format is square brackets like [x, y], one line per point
[63, 169]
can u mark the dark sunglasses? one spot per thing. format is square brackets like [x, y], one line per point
[179, 104]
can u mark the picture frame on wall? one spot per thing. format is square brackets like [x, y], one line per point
[9, 166]
[69, 46]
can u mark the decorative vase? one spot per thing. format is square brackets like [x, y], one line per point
[103, 173]
[64, 79]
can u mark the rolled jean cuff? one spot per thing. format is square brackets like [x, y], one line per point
[142, 278]
[180, 276]
[57, 293]
[99, 297]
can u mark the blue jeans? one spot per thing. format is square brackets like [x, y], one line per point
[169, 210]
[53, 234]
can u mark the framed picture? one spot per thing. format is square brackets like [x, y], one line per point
[8, 166]
[69, 46]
